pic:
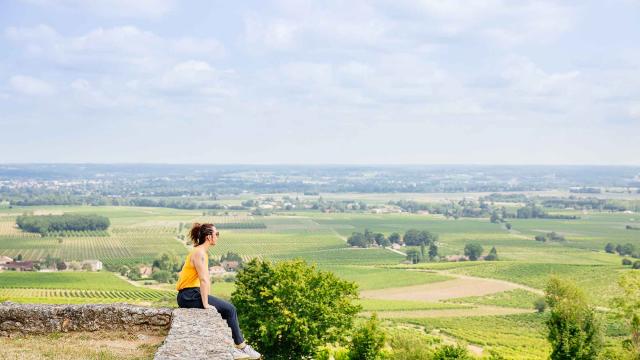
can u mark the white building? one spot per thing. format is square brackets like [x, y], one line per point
[96, 265]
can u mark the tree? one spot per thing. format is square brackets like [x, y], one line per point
[508, 226]
[367, 341]
[19, 257]
[358, 239]
[414, 256]
[60, 265]
[451, 352]
[168, 262]
[381, 240]
[626, 249]
[411, 237]
[493, 255]
[541, 238]
[540, 304]
[124, 270]
[473, 251]
[627, 308]
[289, 309]
[575, 332]
[414, 237]
[495, 218]
[626, 261]
[636, 265]
[610, 248]
[433, 251]
[394, 238]
[162, 276]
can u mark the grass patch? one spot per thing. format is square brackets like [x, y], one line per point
[406, 305]
[517, 298]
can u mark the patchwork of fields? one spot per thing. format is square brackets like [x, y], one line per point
[444, 298]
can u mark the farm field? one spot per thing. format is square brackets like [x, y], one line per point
[76, 288]
[452, 299]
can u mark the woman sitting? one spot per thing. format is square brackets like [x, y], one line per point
[194, 284]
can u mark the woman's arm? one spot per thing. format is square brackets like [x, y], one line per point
[199, 260]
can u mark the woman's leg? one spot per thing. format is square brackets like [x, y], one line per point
[228, 312]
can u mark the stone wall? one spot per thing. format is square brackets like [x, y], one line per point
[41, 318]
[194, 334]
[202, 334]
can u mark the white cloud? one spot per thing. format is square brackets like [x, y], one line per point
[194, 77]
[124, 46]
[28, 85]
[634, 111]
[526, 77]
[274, 34]
[112, 8]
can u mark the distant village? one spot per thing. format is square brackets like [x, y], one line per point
[9, 264]
[225, 268]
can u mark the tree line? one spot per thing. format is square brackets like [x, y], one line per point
[45, 224]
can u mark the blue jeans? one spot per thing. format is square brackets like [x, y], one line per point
[190, 298]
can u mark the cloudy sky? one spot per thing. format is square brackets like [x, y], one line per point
[310, 82]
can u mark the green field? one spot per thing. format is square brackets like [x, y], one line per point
[139, 235]
[517, 298]
[512, 336]
[80, 287]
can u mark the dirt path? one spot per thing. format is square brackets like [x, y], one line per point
[344, 238]
[461, 286]
[506, 283]
[480, 310]
[137, 284]
[396, 251]
[476, 350]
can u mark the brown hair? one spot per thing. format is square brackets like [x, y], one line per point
[199, 232]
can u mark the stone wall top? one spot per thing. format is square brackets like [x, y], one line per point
[197, 334]
[194, 334]
[44, 318]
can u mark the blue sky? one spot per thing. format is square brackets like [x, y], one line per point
[301, 82]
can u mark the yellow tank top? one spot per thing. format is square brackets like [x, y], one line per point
[188, 276]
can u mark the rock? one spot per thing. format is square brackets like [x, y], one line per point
[42, 318]
[194, 333]
[197, 334]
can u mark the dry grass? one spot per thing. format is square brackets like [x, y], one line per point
[103, 345]
[443, 290]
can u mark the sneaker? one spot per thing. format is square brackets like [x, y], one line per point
[251, 353]
[239, 354]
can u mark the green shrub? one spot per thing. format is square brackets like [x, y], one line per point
[575, 331]
[161, 276]
[451, 352]
[540, 304]
[367, 341]
[289, 310]
[473, 251]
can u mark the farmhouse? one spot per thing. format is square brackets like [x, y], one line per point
[18, 266]
[456, 258]
[145, 270]
[217, 271]
[94, 265]
[230, 265]
[5, 260]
